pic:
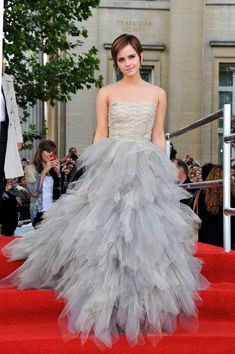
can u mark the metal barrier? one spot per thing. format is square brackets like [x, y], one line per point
[224, 113]
[228, 211]
[202, 185]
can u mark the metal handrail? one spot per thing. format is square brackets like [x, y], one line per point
[229, 212]
[224, 113]
[202, 185]
[229, 139]
[197, 124]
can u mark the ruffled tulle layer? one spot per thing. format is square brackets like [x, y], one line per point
[118, 247]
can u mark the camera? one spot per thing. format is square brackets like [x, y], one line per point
[73, 156]
[53, 156]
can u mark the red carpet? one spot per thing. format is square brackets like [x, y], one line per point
[28, 318]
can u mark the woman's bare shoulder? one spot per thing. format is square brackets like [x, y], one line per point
[156, 92]
[107, 91]
[161, 93]
[156, 89]
[110, 87]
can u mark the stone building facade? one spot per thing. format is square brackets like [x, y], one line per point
[189, 50]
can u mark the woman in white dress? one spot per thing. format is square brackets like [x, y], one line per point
[118, 246]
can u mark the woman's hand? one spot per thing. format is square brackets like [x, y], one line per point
[52, 163]
[56, 167]
[48, 165]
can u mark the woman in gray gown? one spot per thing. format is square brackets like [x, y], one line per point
[118, 246]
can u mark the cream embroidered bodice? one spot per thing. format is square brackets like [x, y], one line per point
[131, 121]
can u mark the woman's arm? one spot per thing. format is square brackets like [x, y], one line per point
[50, 164]
[158, 134]
[101, 115]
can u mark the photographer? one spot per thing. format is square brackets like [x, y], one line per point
[190, 161]
[71, 157]
[66, 176]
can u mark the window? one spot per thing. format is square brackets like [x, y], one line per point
[226, 95]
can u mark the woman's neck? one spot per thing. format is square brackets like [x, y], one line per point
[132, 80]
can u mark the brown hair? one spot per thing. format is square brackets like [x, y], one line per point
[181, 164]
[46, 145]
[122, 41]
[214, 196]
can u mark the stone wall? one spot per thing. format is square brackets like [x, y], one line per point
[177, 35]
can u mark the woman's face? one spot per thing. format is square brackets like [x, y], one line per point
[23, 182]
[46, 156]
[10, 181]
[128, 61]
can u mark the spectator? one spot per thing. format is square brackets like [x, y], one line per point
[77, 171]
[199, 197]
[182, 171]
[66, 176]
[11, 140]
[23, 198]
[71, 157]
[43, 179]
[25, 162]
[9, 217]
[208, 204]
[173, 152]
[190, 161]
[206, 168]
[195, 173]
[183, 178]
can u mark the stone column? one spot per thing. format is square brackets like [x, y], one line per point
[185, 72]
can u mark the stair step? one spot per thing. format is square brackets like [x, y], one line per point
[218, 302]
[218, 265]
[18, 305]
[217, 338]
[29, 318]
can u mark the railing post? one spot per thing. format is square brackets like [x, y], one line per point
[227, 179]
[168, 144]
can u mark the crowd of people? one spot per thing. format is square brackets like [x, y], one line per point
[27, 189]
[26, 198]
[207, 203]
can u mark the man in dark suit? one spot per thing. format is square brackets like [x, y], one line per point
[183, 177]
[182, 168]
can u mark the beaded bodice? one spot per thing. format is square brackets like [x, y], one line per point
[131, 121]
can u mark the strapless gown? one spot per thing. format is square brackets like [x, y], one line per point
[118, 246]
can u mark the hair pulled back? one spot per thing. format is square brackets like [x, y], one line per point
[122, 41]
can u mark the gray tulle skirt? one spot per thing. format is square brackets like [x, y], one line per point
[117, 247]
